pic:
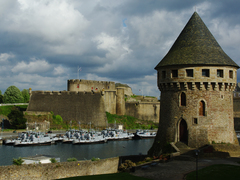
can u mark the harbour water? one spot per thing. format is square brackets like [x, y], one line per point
[80, 152]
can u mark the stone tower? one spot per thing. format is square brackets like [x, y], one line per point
[196, 79]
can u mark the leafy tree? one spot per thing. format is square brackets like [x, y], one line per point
[25, 95]
[17, 120]
[1, 97]
[13, 95]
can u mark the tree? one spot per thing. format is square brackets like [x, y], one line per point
[13, 95]
[1, 97]
[25, 95]
[16, 118]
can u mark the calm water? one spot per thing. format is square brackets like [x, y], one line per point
[81, 152]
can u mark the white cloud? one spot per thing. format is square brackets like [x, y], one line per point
[5, 56]
[59, 70]
[34, 66]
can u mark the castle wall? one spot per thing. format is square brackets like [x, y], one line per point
[89, 85]
[71, 105]
[120, 102]
[143, 110]
[110, 101]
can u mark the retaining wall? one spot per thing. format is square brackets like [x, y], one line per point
[59, 170]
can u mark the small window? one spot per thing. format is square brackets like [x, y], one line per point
[174, 73]
[189, 72]
[220, 73]
[163, 74]
[195, 121]
[205, 72]
[201, 108]
[230, 74]
[183, 99]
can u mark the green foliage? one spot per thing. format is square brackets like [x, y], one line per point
[71, 159]
[18, 161]
[127, 164]
[16, 118]
[53, 160]
[13, 95]
[95, 159]
[25, 95]
[130, 122]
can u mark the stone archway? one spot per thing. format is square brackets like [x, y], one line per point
[183, 132]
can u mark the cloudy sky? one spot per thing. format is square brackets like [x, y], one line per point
[42, 43]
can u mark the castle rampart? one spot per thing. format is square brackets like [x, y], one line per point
[71, 105]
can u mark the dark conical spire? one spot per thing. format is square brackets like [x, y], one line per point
[196, 46]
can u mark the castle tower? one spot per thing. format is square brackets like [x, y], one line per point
[196, 79]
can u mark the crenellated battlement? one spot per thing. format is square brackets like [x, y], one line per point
[201, 86]
[83, 81]
[66, 92]
[90, 85]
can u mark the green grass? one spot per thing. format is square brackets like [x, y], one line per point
[130, 122]
[219, 172]
[116, 176]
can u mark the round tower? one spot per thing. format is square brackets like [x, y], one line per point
[196, 79]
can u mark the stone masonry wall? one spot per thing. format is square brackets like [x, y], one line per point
[71, 105]
[143, 110]
[59, 170]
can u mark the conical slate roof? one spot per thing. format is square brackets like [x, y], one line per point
[196, 46]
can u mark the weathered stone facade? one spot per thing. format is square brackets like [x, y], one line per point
[196, 79]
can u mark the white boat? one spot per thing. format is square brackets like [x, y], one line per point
[144, 134]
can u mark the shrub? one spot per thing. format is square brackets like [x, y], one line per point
[71, 159]
[53, 160]
[18, 161]
[127, 164]
[95, 159]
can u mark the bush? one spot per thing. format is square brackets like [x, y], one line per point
[127, 164]
[18, 161]
[53, 160]
[95, 159]
[71, 159]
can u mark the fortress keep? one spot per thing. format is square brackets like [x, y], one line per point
[196, 79]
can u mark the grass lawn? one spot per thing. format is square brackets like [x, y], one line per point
[116, 176]
[219, 172]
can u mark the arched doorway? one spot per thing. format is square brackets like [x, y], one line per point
[183, 132]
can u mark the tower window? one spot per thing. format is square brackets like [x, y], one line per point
[163, 74]
[220, 73]
[201, 108]
[174, 73]
[189, 72]
[230, 74]
[205, 72]
[195, 121]
[183, 99]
